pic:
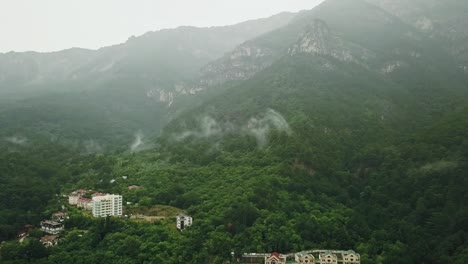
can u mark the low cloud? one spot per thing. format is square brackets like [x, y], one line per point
[139, 143]
[261, 126]
[258, 126]
[91, 146]
[17, 140]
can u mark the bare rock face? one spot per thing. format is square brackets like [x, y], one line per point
[241, 64]
[318, 39]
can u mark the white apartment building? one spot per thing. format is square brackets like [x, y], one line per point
[107, 205]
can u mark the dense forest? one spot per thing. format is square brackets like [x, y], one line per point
[335, 135]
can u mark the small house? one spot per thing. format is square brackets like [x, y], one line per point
[184, 221]
[49, 241]
[59, 216]
[85, 203]
[275, 258]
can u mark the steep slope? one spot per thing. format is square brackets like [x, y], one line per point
[446, 22]
[376, 45]
[392, 47]
[326, 145]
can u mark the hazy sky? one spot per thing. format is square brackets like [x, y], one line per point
[50, 25]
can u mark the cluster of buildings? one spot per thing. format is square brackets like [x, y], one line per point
[305, 257]
[53, 228]
[101, 204]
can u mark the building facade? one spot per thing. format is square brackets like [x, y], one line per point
[107, 205]
[184, 221]
[328, 257]
[304, 258]
[74, 196]
[275, 258]
[85, 203]
[335, 256]
[52, 227]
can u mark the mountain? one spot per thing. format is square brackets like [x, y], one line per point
[330, 134]
[162, 58]
[444, 21]
[344, 128]
[99, 99]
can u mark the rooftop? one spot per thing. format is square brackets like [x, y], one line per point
[49, 222]
[84, 200]
[48, 238]
[99, 194]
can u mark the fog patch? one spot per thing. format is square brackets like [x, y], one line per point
[92, 147]
[208, 127]
[258, 126]
[439, 166]
[139, 143]
[17, 140]
[261, 126]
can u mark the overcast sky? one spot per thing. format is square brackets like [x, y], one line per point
[50, 25]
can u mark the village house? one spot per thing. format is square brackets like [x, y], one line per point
[25, 231]
[52, 227]
[74, 196]
[85, 203]
[351, 257]
[184, 221]
[304, 258]
[133, 187]
[59, 216]
[49, 241]
[328, 257]
[275, 258]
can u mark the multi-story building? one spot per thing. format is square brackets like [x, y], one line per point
[52, 227]
[107, 205]
[183, 221]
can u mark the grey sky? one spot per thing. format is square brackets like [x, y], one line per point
[50, 25]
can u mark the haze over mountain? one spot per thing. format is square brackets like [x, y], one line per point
[344, 126]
